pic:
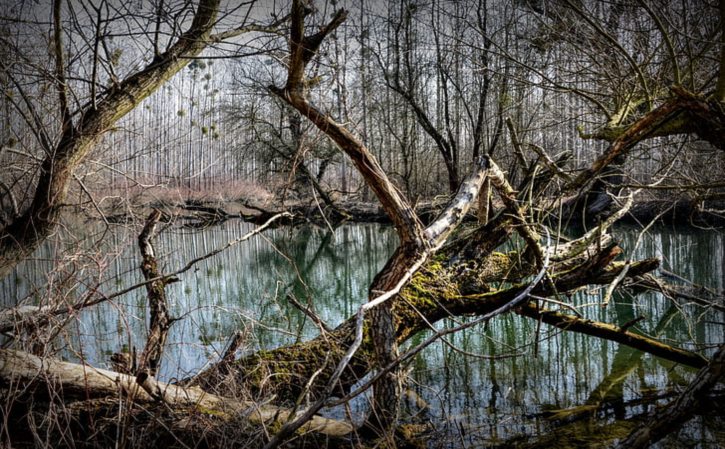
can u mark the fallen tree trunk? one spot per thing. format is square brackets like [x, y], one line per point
[22, 373]
[467, 277]
[439, 290]
[447, 285]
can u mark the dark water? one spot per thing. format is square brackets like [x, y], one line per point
[490, 384]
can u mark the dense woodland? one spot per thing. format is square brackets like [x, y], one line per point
[465, 125]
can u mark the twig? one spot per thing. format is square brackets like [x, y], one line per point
[610, 288]
[322, 213]
[558, 303]
[310, 313]
[90, 197]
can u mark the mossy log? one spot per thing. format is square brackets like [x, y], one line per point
[442, 288]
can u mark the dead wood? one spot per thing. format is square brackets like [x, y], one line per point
[614, 333]
[160, 321]
[23, 374]
[438, 291]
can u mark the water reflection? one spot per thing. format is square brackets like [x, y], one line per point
[471, 400]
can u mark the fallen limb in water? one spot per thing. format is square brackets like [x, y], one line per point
[609, 391]
[614, 333]
[447, 285]
[439, 290]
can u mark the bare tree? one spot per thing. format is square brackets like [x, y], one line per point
[85, 114]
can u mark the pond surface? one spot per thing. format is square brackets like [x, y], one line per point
[489, 385]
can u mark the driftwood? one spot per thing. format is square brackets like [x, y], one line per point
[430, 296]
[449, 284]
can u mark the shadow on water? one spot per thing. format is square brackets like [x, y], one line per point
[511, 383]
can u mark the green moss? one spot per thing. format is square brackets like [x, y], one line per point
[211, 412]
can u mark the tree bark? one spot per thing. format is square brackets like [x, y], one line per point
[613, 333]
[160, 322]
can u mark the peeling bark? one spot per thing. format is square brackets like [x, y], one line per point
[160, 322]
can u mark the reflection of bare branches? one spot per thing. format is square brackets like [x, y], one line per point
[19, 317]
[681, 409]
[614, 333]
[609, 389]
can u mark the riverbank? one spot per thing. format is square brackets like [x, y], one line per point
[200, 212]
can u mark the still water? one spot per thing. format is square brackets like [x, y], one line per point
[490, 385]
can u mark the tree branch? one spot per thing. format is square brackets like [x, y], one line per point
[401, 213]
[613, 333]
[160, 322]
